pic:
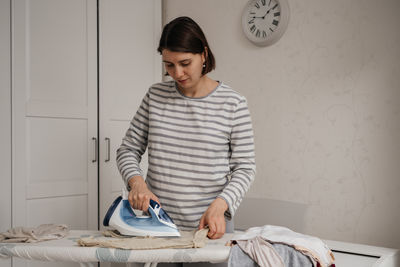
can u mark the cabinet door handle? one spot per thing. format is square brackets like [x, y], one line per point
[95, 149]
[108, 149]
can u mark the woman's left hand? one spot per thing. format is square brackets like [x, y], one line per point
[214, 218]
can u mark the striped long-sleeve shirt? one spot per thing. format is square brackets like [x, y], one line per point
[198, 149]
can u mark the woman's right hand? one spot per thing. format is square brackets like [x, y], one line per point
[140, 195]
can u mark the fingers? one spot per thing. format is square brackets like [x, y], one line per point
[155, 198]
[212, 230]
[139, 195]
[132, 200]
[201, 224]
[217, 230]
[215, 219]
[140, 200]
[144, 202]
[216, 226]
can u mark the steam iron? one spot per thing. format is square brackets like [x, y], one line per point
[122, 217]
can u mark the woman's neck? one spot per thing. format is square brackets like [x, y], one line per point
[204, 87]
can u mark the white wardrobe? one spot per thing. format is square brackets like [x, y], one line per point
[76, 73]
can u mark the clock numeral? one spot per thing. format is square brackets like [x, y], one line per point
[251, 21]
[257, 5]
[253, 28]
[264, 34]
[269, 2]
[252, 13]
[274, 6]
[271, 30]
[275, 22]
[277, 14]
[258, 33]
[263, 2]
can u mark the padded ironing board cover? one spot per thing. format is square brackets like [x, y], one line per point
[67, 250]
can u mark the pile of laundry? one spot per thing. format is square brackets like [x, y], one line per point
[276, 246]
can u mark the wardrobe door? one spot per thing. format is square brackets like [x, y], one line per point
[54, 92]
[129, 64]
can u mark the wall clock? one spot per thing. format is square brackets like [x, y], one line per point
[265, 21]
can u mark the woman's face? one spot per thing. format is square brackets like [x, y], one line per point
[184, 68]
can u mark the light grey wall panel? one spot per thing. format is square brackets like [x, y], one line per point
[5, 121]
[325, 103]
[5, 116]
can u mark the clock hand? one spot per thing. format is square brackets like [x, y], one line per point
[263, 17]
[269, 10]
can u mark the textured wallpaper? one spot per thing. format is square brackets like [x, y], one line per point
[325, 104]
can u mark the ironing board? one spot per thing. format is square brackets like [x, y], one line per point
[67, 250]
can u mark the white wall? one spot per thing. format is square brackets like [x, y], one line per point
[5, 117]
[5, 122]
[325, 103]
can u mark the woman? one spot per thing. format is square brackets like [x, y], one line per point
[199, 135]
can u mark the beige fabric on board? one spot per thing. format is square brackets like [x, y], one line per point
[43, 232]
[188, 239]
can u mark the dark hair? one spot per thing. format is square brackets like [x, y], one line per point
[184, 35]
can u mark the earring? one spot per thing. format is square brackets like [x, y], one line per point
[204, 65]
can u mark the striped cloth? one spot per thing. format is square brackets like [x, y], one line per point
[199, 149]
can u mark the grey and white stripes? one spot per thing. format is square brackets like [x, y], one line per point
[199, 149]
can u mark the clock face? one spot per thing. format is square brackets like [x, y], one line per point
[262, 21]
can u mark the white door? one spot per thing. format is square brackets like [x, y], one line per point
[54, 97]
[129, 64]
